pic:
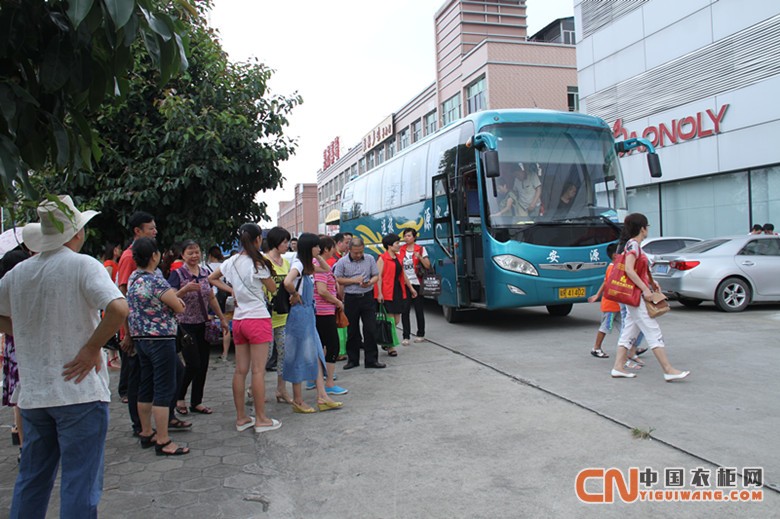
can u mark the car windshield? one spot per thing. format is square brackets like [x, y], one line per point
[703, 246]
[555, 174]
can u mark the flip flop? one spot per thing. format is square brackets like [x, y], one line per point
[392, 353]
[203, 410]
[275, 424]
[244, 427]
[599, 353]
[182, 410]
[179, 425]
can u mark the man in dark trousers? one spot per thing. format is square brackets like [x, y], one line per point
[358, 274]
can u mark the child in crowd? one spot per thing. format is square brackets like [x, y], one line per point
[610, 310]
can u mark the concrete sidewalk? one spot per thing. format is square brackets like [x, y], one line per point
[435, 435]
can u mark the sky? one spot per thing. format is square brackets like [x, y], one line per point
[354, 62]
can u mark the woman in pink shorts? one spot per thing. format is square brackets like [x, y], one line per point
[247, 273]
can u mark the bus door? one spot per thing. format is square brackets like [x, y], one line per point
[468, 227]
[447, 264]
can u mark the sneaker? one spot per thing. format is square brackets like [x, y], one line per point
[336, 390]
[310, 385]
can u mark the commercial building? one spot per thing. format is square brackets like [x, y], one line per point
[299, 215]
[484, 60]
[700, 79]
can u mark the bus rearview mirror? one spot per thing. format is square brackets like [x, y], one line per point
[654, 163]
[492, 167]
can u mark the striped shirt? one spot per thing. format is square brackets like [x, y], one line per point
[321, 306]
[346, 267]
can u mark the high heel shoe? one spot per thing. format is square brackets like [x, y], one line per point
[678, 376]
[300, 409]
[327, 406]
[283, 399]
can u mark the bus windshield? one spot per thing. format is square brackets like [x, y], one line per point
[554, 174]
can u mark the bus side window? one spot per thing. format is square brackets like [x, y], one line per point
[373, 193]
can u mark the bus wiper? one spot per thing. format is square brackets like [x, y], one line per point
[591, 218]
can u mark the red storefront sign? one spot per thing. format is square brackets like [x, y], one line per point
[702, 124]
[331, 154]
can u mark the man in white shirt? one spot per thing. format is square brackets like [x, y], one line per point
[528, 188]
[51, 304]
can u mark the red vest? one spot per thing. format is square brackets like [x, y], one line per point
[388, 277]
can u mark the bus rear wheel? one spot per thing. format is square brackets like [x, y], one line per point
[559, 310]
[451, 314]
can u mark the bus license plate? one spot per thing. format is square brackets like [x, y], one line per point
[571, 293]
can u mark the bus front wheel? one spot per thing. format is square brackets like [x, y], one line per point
[452, 314]
[559, 310]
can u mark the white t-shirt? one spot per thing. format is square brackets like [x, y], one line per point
[54, 300]
[411, 275]
[298, 265]
[239, 271]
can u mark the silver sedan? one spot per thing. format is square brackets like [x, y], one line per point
[732, 271]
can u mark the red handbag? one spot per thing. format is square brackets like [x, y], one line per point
[618, 286]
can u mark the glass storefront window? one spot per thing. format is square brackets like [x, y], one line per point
[765, 195]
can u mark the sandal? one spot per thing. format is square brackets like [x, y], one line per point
[637, 360]
[182, 410]
[202, 410]
[178, 452]
[599, 353]
[148, 441]
[640, 351]
[179, 425]
[630, 364]
[392, 353]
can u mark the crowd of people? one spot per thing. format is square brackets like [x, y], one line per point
[268, 301]
[153, 314]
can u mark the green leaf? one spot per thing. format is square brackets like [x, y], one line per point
[158, 25]
[78, 10]
[55, 68]
[63, 142]
[9, 162]
[130, 30]
[120, 11]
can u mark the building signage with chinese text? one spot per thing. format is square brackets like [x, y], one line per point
[376, 136]
[331, 154]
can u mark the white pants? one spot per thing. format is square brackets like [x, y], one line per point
[638, 320]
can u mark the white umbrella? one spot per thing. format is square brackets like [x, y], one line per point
[10, 239]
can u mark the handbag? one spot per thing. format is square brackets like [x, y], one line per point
[386, 334]
[341, 319]
[113, 343]
[618, 286]
[213, 333]
[183, 340]
[658, 304]
[280, 303]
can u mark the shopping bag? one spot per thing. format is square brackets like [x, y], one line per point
[385, 328]
[618, 286]
[658, 305]
[343, 334]
[430, 284]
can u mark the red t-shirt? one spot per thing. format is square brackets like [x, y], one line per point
[126, 267]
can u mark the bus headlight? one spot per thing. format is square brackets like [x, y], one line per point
[515, 264]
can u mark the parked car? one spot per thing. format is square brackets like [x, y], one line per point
[732, 271]
[655, 247]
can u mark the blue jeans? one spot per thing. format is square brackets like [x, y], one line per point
[157, 359]
[76, 436]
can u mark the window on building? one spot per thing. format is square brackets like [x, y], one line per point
[362, 163]
[390, 149]
[573, 98]
[403, 139]
[476, 97]
[430, 123]
[370, 156]
[450, 110]
[380, 155]
[568, 38]
[416, 131]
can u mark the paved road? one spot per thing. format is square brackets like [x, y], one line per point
[448, 430]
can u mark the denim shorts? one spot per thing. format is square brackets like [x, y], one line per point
[157, 360]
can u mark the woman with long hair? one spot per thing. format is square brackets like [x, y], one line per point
[393, 285]
[637, 319]
[247, 274]
[277, 241]
[152, 323]
[111, 254]
[413, 256]
[192, 282]
[303, 356]
[326, 302]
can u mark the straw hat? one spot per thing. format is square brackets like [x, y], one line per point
[46, 236]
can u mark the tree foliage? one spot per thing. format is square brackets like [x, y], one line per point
[195, 155]
[60, 60]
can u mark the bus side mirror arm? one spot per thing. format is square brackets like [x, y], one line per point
[653, 161]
